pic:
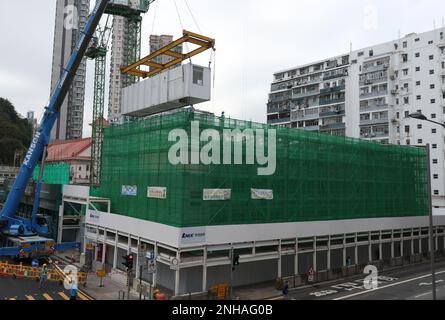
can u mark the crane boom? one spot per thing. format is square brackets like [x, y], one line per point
[51, 113]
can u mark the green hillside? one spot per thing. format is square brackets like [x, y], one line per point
[15, 133]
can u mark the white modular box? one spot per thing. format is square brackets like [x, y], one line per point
[179, 87]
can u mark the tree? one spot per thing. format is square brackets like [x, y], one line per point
[15, 133]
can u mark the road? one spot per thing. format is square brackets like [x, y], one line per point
[412, 283]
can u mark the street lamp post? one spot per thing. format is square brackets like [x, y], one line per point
[420, 116]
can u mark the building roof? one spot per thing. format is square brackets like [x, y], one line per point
[68, 150]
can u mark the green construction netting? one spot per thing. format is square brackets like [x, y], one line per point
[54, 173]
[318, 177]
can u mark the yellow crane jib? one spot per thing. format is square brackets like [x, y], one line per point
[203, 43]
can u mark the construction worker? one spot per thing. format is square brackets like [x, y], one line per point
[43, 275]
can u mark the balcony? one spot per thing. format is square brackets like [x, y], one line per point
[324, 102]
[374, 94]
[330, 76]
[333, 126]
[381, 67]
[274, 109]
[374, 121]
[373, 81]
[332, 113]
[312, 128]
[300, 117]
[333, 89]
[279, 121]
[305, 94]
[377, 107]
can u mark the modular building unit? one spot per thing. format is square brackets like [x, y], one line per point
[175, 88]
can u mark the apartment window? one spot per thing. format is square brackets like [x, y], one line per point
[398, 115]
[419, 126]
[361, 53]
[431, 71]
[443, 64]
[432, 86]
[441, 35]
[405, 44]
[417, 69]
[434, 146]
[405, 72]
[436, 192]
[417, 54]
[418, 83]
[397, 101]
[198, 75]
[406, 100]
[398, 129]
[417, 39]
[433, 116]
[434, 131]
[435, 161]
[433, 101]
[408, 142]
[406, 129]
[420, 141]
[431, 57]
[419, 98]
[430, 42]
[406, 114]
[436, 176]
[371, 53]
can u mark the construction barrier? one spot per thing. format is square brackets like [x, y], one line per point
[26, 272]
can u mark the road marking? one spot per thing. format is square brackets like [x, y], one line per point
[422, 295]
[64, 296]
[30, 297]
[82, 296]
[276, 298]
[47, 296]
[12, 299]
[389, 285]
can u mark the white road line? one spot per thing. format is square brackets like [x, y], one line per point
[422, 295]
[384, 287]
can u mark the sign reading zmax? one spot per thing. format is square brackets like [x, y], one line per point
[192, 235]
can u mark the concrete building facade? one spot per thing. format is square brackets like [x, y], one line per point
[369, 94]
[159, 41]
[71, 17]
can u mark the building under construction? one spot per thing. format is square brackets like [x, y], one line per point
[332, 203]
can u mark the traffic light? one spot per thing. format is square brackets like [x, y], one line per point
[128, 261]
[236, 260]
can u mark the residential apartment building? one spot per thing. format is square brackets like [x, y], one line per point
[369, 94]
[71, 17]
[159, 41]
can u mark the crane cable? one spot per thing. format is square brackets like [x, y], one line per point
[193, 16]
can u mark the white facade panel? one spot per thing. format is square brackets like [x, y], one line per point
[176, 88]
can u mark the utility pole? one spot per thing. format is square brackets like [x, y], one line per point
[432, 242]
[232, 268]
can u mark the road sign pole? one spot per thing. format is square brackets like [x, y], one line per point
[140, 282]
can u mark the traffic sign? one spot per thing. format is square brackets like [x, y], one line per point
[150, 255]
[35, 263]
[174, 264]
[311, 275]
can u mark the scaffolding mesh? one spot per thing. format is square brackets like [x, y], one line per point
[318, 177]
[54, 173]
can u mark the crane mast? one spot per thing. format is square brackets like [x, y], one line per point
[42, 136]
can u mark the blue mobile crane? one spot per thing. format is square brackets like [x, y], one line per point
[23, 237]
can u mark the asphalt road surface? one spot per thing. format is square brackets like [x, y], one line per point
[411, 283]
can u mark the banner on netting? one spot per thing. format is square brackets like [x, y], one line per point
[217, 194]
[129, 191]
[157, 192]
[261, 194]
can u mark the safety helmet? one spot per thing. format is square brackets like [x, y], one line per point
[44, 265]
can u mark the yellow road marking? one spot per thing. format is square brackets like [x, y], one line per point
[82, 296]
[277, 298]
[64, 296]
[47, 296]
[30, 297]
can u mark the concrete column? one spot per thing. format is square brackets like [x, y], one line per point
[156, 263]
[412, 245]
[356, 250]
[104, 248]
[116, 239]
[296, 258]
[177, 273]
[380, 247]
[344, 250]
[420, 242]
[315, 254]
[370, 249]
[60, 231]
[402, 248]
[138, 263]
[279, 273]
[392, 247]
[204, 270]
[329, 253]
[129, 244]
[436, 238]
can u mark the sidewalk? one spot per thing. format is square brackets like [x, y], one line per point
[110, 289]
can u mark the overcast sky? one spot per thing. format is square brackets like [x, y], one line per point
[254, 39]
